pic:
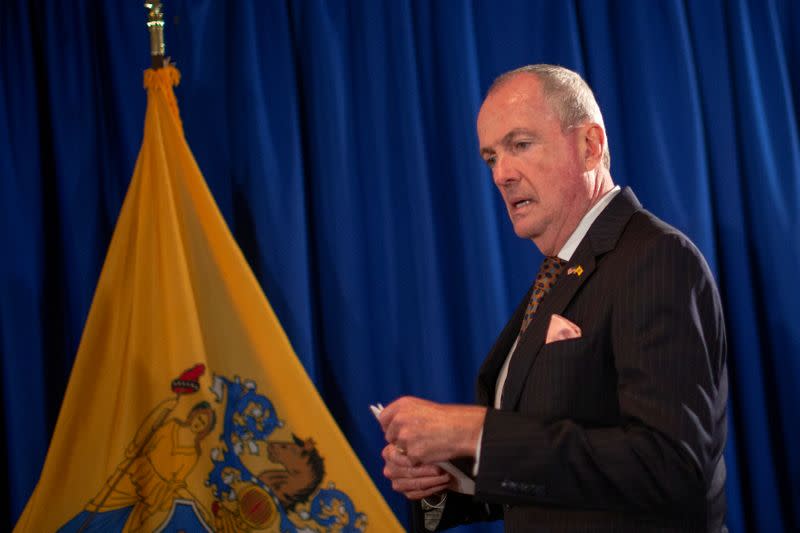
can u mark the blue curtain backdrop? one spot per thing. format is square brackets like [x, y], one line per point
[338, 139]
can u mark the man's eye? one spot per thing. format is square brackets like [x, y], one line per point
[490, 161]
[521, 145]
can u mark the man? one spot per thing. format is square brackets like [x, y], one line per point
[603, 401]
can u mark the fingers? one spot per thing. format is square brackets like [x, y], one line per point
[408, 424]
[399, 465]
[390, 411]
[392, 454]
[393, 424]
[413, 481]
[394, 471]
[405, 422]
[403, 407]
[419, 487]
[418, 495]
[428, 432]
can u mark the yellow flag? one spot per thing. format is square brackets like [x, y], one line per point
[187, 409]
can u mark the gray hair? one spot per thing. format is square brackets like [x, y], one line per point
[567, 94]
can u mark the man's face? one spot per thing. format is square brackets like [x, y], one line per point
[536, 167]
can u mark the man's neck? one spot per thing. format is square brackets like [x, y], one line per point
[603, 185]
[568, 249]
[549, 246]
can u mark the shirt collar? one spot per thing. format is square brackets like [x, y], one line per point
[586, 222]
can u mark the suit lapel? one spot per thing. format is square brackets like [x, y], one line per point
[600, 238]
[532, 340]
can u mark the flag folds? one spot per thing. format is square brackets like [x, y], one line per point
[187, 408]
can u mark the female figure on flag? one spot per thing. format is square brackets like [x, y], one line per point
[140, 494]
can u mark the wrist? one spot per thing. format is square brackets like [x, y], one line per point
[472, 431]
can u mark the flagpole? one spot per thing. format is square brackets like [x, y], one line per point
[155, 24]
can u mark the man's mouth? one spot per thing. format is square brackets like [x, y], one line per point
[520, 203]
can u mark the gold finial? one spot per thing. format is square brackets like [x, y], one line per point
[155, 24]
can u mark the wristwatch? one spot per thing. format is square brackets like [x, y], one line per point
[435, 502]
[432, 510]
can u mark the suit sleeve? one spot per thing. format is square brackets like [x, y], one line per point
[667, 342]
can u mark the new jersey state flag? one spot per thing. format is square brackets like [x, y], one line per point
[187, 409]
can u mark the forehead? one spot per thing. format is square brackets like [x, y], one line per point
[517, 103]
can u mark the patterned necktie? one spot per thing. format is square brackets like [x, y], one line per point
[548, 275]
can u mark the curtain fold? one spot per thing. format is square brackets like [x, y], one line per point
[338, 139]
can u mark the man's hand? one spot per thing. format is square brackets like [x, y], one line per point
[427, 432]
[414, 482]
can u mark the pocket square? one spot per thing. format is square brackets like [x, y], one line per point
[561, 329]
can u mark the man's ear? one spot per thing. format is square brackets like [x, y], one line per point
[592, 143]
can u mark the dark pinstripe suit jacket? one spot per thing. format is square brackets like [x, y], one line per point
[623, 428]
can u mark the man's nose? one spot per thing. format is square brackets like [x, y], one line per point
[502, 172]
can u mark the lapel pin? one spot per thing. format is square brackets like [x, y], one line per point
[577, 270]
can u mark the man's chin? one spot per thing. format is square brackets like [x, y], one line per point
[524, 231]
